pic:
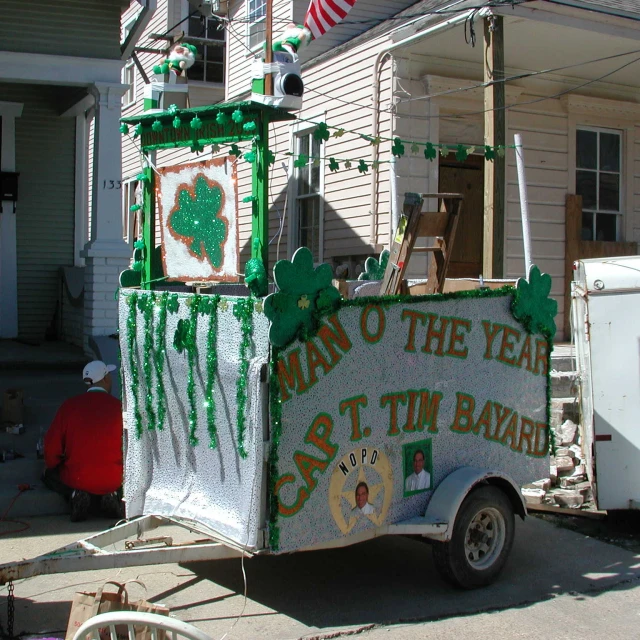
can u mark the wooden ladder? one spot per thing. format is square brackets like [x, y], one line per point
[414, 223]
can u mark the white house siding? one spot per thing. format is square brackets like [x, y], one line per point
[45, 159]
[86, 28]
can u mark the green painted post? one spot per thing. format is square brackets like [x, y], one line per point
[260, 188]
[149, 227]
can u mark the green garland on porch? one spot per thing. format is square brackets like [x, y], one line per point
[131, 345]
[159, 356]
[145, 304]
[243, 311]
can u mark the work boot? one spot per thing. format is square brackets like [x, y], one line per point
[111, 505]
[80, 505]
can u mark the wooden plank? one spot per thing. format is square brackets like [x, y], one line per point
[582, 513]
[495, 135]
[402, 246]
[432, 224]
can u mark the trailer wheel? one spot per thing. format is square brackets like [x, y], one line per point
[481, 541]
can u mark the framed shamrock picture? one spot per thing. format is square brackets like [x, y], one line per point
[198, 214]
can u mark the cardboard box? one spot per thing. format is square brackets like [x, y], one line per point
[13, 406]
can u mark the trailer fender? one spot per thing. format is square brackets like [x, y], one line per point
[451, 492]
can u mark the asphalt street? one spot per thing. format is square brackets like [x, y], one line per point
[558, 583]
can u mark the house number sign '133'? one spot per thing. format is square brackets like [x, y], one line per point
[112, 184]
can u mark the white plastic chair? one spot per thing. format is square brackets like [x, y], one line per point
[155, 623]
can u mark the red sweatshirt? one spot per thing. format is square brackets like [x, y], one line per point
[85, 439]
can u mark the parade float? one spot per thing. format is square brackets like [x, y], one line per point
[271, 412]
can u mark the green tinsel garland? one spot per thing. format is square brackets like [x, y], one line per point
[145, 303]
[212, 365]
[275, 409]
[243, 311]
[192, 351]
[159, 356]
[133, 365]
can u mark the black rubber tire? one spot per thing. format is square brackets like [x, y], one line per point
[451, 557]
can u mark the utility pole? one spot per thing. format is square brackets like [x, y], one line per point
[494, 135]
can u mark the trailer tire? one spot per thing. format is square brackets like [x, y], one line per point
[481, 541]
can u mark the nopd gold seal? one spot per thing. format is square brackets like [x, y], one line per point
[361, 487]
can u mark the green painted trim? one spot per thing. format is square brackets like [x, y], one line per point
[260, 189]
[149, 228]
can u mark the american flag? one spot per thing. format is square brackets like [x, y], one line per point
[324, 14]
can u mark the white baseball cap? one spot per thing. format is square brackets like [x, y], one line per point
[96, 371]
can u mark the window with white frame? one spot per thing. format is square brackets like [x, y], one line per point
[209, 66]
[307, 199]
[131, 194]
[256, 15]
[129, 70]
[599, 182]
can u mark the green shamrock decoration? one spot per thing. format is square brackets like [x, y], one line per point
[250, 126]
[195, 123]
[333, 164]
[250, 156]
[397, 148]
[173, 109]
[156, 126]
[303, 294]
[347, 164]
[444, 151]
[173, 303]
[414, 148]
[142, 177]
[196, 221]
[177, 123]
[362, 167]
[374, 269]
[137, 130]
[489, 153]
[235, 151]
[321, 133]
[135, 207]
[430, 152]
[196, 147]
[461, 153]
[338, 133]
[124, 128]
[181, 336]
[302, 161]
[237, 116]
[222, 118]
[532, 306]
[271, 157]
[255, 277]
[501, 151]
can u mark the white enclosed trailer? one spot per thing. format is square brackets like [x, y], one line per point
[605, 315]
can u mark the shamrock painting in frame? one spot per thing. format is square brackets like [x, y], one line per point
[197, 206]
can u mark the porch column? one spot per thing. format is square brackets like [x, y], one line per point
[9, 111]
[106, 254]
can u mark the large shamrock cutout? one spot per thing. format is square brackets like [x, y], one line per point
[198, 222]
[304, 292]
[374, 269]
[532, 305]
[181, 336]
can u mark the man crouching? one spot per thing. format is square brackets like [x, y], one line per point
[83, 447]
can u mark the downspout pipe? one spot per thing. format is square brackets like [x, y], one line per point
[382, 55]
[142, 21]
